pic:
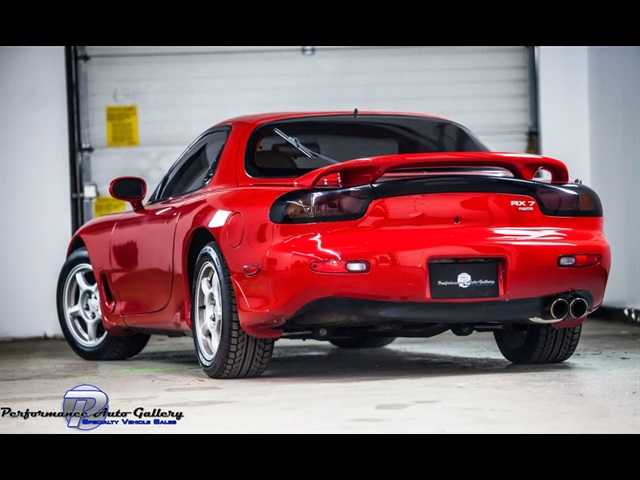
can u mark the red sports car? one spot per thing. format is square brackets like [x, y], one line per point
[351, 227]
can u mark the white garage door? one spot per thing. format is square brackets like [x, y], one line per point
[180, 91]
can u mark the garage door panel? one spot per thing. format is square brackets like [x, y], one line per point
[148, 163]
[181, 91]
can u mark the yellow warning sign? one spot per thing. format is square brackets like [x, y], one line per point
[104, 205]
[122, 126]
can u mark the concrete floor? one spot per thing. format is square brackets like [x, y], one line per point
[444, 384]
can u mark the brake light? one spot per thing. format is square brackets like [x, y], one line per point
[311, 206]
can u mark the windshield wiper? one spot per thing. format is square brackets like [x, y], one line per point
[294, 141]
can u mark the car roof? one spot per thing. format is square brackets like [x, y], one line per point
[259, 118]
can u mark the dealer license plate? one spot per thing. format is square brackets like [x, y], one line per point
[463, 278]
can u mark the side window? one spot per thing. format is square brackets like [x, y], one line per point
[195, 168]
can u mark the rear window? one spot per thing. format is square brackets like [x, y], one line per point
[271, 151]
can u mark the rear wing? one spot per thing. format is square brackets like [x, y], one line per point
[364, 171]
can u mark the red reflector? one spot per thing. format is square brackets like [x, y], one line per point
[340, 266]
[252, 269]
[579, 260]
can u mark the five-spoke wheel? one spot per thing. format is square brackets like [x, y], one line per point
[223, 348]
[81, 304]
[80, 314]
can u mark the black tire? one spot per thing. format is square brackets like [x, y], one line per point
[362, 342]
[537, 344]
[80, 314]
[223, 348]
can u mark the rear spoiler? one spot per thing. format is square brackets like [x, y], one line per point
[367, 170]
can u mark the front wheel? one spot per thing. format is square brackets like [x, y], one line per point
[224, 349]
[80, 316]
[536, 344]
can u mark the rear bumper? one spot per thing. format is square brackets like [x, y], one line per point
[397, 286]
[400, 293]
[399, 268]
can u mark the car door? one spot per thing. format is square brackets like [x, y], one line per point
[142, 244]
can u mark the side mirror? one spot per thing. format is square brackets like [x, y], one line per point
[129, 189]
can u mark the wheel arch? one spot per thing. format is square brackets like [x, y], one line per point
[199, 239]
[76, 244]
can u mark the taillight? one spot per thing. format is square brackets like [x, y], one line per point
[310, 206]
[570, 200]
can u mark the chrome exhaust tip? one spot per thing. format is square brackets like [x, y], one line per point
[578, 307]
[559, 308]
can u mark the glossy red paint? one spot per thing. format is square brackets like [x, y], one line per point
[144, 259]
[401, 272]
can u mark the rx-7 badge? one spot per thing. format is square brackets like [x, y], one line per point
[523, 205]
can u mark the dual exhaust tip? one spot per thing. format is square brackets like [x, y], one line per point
[561, 308]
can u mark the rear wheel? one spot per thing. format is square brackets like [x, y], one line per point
[362, 342]
[80, 316]
[224, 349]
[538, 343]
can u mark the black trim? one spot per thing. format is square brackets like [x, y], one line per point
[470, 183]
[499, 311]
[566, 195]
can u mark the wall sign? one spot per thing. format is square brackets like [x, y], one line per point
[122, 126]
[104, 205]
